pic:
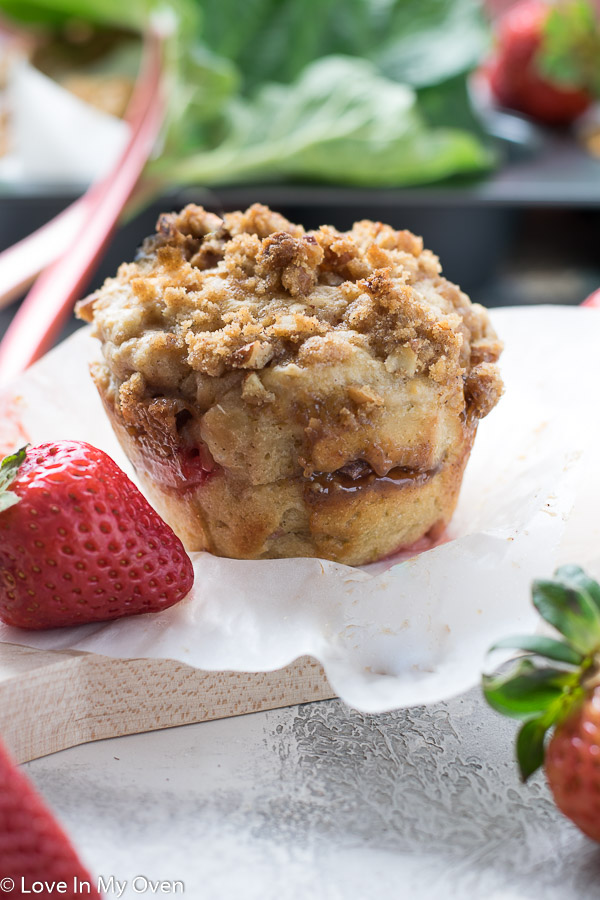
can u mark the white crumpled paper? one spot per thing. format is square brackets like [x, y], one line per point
[393, 634]
[56, 138]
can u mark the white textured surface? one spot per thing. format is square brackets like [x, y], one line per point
[322, 802]
[418, 632]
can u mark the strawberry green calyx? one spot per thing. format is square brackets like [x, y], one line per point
[9, 467]
[543, 696]
[569, 55]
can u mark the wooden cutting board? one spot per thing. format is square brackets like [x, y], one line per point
[50, 700]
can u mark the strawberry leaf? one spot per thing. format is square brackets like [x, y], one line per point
[9, 467]
[542, 646]
[545, 697]
[571, 611]
[575, 578]
[527, 691]
[530, 745]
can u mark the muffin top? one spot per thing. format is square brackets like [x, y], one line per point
[349, 342]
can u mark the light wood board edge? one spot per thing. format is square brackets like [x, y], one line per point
[53, 700]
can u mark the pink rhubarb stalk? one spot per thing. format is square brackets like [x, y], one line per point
[43, 312]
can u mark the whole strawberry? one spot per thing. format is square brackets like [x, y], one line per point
[546, 59]
[33, 846]
[79, 543]
[564, 697]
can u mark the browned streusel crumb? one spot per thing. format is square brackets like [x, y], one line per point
[279, 354]
[218, 286]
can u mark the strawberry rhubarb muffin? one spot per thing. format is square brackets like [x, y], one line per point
[290, 393]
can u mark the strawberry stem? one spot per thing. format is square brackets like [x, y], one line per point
[9, 467]
[590, 678]
[570, 49]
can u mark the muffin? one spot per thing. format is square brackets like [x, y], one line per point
[289, 393]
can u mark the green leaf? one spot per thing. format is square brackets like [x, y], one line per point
[571, 611]
[29, 12]
[527, 691]
[542, 646]
[530, 745]
[341, 122]
[575, 578]
[273, 40]
[416, 42]
[201, 86]
[132, 14]
[449, 104]
[8, 471]
[425, 43]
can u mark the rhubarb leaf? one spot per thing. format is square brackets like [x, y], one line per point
[340, 122]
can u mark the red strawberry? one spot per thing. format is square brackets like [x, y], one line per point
[593, 299]
[573, 764]
[79, 543]
[564, 697]
[33, 846]
[546, 60]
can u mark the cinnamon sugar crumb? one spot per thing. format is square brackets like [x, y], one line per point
[252, 289]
